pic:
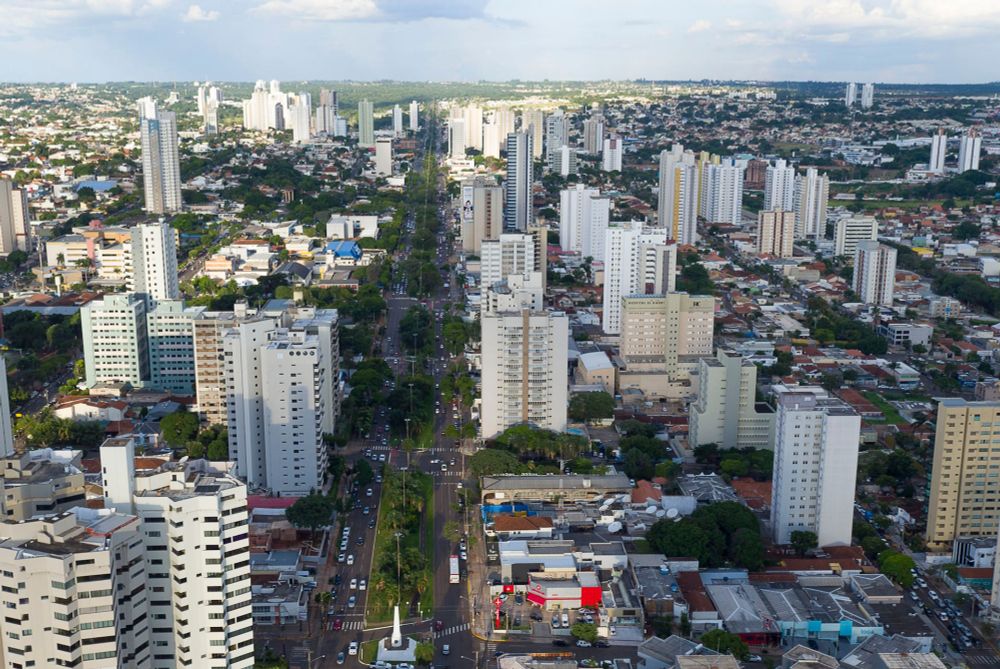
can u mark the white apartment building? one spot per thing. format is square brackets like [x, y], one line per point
[519, 205]
[678, 198]
[115, 346]
[301, 118]
[815, 466]
[366, 124]
[851, 94]
[456, 138]
[779, 187]
[658, 330]
[170, 336]
[75, 586]
[939, 149]
[722, 186]
[414, 116]
[524, 357]
[564, 161]
[267, 108]
[874, 277]
[968, 151]
[194, 519]
[533, 123]
[611, 154]
[154, 262]
[776, 234]
[726, 411]
[15, 219]
[473, 116]
[397, 121]
[812, 194]
[482, 213]
[637, 260]
[515, 293]
[383, 156]
[849, 231]
[593, 135]
[583, 221]
[867, 96]
[556, 132]
[161, 167]
[512, 253]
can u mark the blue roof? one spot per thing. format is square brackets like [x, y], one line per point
[344, 248]
[96, 186]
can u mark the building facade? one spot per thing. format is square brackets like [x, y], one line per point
[874, 278]
[161, 167]
[849, 231]
[779, 187]
[154, 263]
[15, 219]
[519, 204]
[776, 234]
[115, 344]
[726, 411]
[583, 221]
[637, 260]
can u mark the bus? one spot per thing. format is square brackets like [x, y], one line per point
[453, 569]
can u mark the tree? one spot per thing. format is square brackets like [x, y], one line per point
[725, 643]
[584, 631]
[312, 511]
[179, 428]
[685, 624]
[586, 407]
[747, 550]
[804, 541]
[679, 539]
[637, 465]
[363, 472]
[897, 567]
[424, 653]
[490, 461]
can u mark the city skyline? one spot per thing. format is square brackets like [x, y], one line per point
[884, 41]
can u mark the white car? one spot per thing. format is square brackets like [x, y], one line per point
[350, 559]
[445, 649]
[363, 585]
[354, 584]
[353, 648]
[340, 558]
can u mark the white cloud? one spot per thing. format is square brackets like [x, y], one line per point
[699, 26]
[196, 14]
[904, 18]
[320, 10]
[24, 16]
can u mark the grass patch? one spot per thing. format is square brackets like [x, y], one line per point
[889, 411]
[369, 651]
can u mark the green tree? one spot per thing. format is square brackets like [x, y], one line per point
[683, 538]
[637, 465]
[424, 652]
[179, 428]
[804, 541]
[490, 461]
[725, 643]
[897, 567]
[363, 473]
[584, 631]
[586, 407]
[685, 624]
[310, 512]
[747, 550]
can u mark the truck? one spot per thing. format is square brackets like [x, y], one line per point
[453, 569]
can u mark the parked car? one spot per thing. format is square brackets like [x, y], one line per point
[560, 642]
[583, 644]
[353, 648]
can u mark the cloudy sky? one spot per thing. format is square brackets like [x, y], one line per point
[945, 41]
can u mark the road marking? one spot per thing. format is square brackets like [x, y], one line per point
[452, 630]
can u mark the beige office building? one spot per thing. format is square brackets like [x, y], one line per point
[209, 366]
[776, 233]
[965, 488]
[659, 329]
[726, 411]
[482, 212]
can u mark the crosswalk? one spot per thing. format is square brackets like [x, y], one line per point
[982, 659]
[491, 648]
[452, 630]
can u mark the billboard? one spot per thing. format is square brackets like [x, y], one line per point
[467, 204]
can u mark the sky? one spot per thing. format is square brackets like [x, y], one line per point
[896, 41]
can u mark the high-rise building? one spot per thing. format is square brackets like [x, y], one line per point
[867, 96]
[533, 123]
[512, 253]
[611, 154]
[193, 515]
[939, 149]
[849, 231]
[632, 265]
[815, 466]
[501, 124]
[383, 156]
[482, 213]
[115, 346]
[727, 412]
[170, 333]
[525, 358]
[15, 219]
[300, 115]
[366, 124]
[397, 121]
[968, 151]
[563, 161]
[779, 187]
[659, 329]
[6, 425]
[963, 494]
[208, 329]
[556, 132]
[414, 116]
[161, 167]
[677, 200]
[722, 186]
[473, 115]
[583, 221]
[756, 174]
[516, 292]
[776, 234]
[874, 277]
[456, 138]
[593, 135]
[154, 262]
[519, 201]
[851, 95]
[539, 232]
[329, 98]
[267, 107]
[812, 193]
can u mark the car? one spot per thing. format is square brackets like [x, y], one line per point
[565, 620]
[378, 479]
[444, 467]
[583, 644]
[914, 596]
[340, 657]
[371, 524]
[354, 584]
[337, 579]
[755, 658]
[438, 625]
[368, 493]
[361, 540]
[555, 622]
[601, 644]
[363, 584]
[351, 601]
[365, 511]
[340, 558]
[562, 643]
[612, 631]
[445, 649]
[353, 648]
[350, 559]
[338, 624]
[459, 486]
[463, 555]
[519, 598]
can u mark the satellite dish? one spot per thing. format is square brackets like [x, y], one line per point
[661, 513]
[672, 513]
[626, 498]
[615, 527]
[650, 509]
